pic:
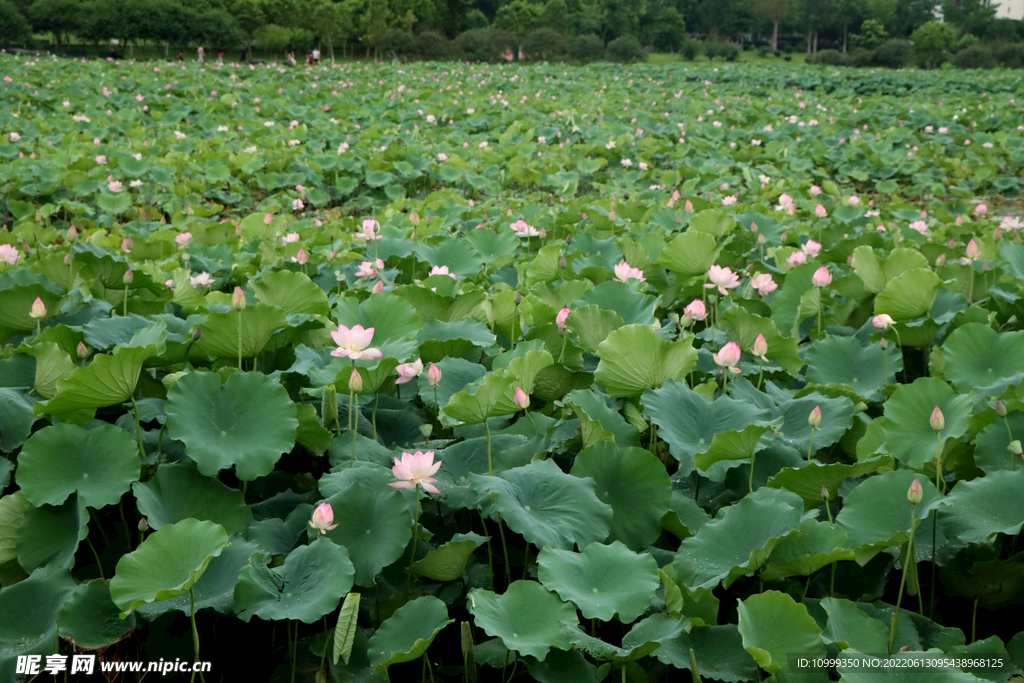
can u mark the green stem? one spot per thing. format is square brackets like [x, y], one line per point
[125, 309]
[819, 314]
[903, 580]
[810, 446]
[828, 509]
[938, 460]
[195, 631]
[974, 620]
[95, 554]
[415, 530]
[490, 553]
[885, 360]
[138, 429]
[527, 413]
[1009, 434]
[239, 340]
[565, 338]
[504, 548]
[376, 400]
[323, 655]
[751, 483]
[970, 290]
[295, 649]
[760, 374]
[490, 465]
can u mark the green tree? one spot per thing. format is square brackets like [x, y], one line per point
[872, 34]
[59, 17]
[250, 15]
[332, 21]
[970, 16]
[910, 14]
[882, 11]
[519, 17]
[668, 32]
[14, 29]
[272, 38]
[555, 16]
[773, 11]
[931, 43]
[815, 16]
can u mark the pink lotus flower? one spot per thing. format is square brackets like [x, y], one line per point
[688, 206]
[433, 375]
[9, 254]
[369, 270]
[301, 258]
[408, 371]
[760, 346]
[730, 200]
[126, 244]
[114, 185]
[38, 309]
[854, 200]
[796, 258]
[322, 518]
[815, 190]
[297, 205]
[764, 283]
[980, 210]
[101, 159]
[882, 321]
[238, 299]
[728, 357]
[414, 469]
[352, 343]
[915, 493]
[695, 310]
[972, 249]
[355, 382]
[561, 317]
[821, 277]
[820, 211]
[443, 270]
[371, 231]
[524, 229]
[785, 201]
[202, 280]
[268, 219]
[377, 288]
[811, 248]
[522, 399]
[814, 419]
[183, 239]
[722, 278]
[624, 272]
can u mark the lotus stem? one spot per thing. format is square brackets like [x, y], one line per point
[138, 429]
[938, 461]
[239, 341]
[504, 548]
[751, 483]
[415, 530]
[351, 400]
[903, 579]
[527, 414]
[819, 314]
[323, 655]
[810, 446]
[974, 620]
[1009, 434]
[490, 465]
[885, 360]
[125, 309]
[376, 400]
[99, 565]
[195, 631]
[970, 288]
[760, 374]
[562, 354]
[490, 554]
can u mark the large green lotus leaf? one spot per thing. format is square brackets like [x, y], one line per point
[309, 584]
[105, 381]
[461, 258]
[6, 467]
[100, 464]
[690, 253]
[16, 421]
[35, 602]
[310, 432]
[836, 418]
[592, 325]
[220, 338]
[785, 303]
[599, 421]
[991, 451]
[292, 292]
[612, 295]
[391, 317]
[849, 626]
[430, 305]
[480, 400]
[562, 667]
[167, 564]
[636, 486]
[526, 617]
[731, 447]
[90, 619]
[743, 327]
[49, 535]
[439, 339]
[12, 514]
[524, 369]
[909, 295]
[807, 481]
[900, 674]
[634, 358]
[648, 634]
[491, 244]
[603, 580]
[760, 617]
[718, 651]
[456, 373]
[876, 513]
[52, 365]
[215, 589]
[106, 333]
[16, 302]
[875, 274]
[821, 544]
[843, 360]
[249, 422]
[470, 456]
[345, 630]
[980, 359]
[546, 506]
[908, 432]
[739, 540]
[704, 419]
[374, 524]
[448, 562]
[178, 491]
[406, 634]
[713, 221]
[977, 509]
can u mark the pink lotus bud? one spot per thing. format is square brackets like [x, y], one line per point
[760, 346]
[433, 375]
[38, 309]
[959, 220]
[127, 244]
[688, 206]
[355, 381]
[980, 209]
[128, 277]
[414, 218]
[940, 261]
[143, 524]
[884, 343]
[67, 259]
[937, 420]
[997, 234]
[238, 299]
[522, 399]
[814, 419]
[268, 219]
[322, 518]
[568, 238]
[882, 321]
[82, 351]
[796, 258]
[824, 493]
[951, 244]
[560, 318]
[301, 258]
[915, 493]
[728, 357]
[820, 211]
[72, 234]
[695, 311]
[821, 277]
[1000, 409]
[972, 249]
[378, 288]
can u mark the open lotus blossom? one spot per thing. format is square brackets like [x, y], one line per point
[811, 248]
[854, 200]
[370, 231]
[202, 280]
[433, 375]
[695, 310]
[522, 399]
[796, 258]
[1011, 223]
[414, 469]
[352, 343]
[624, 272]
[980, 210]
[9, 254]
[815, 190]
[322, 518]
[722, 278]
[443, 270]
[524, 229]
[882, 321]
[820, 211]
[764, 283]
[728, 357]
[920, 226]
[760, 347]
[368, 269]
[289, 238]
[183, 239]
[785, 201]
[730, 200]
[821, 277]
[408, 371]
[114, 185]
[38, 309]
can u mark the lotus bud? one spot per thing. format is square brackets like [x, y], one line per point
[940, 261]
[1000, 409]
[915, 493]
[568, 238]
[761, 238]
[378, 287]
[414, 218]
[197, 334]
[884, 343]
[126, 244]
[38, 309]
[562, 262]
[433, 375]
[519, 298]
[821, 277]
[72, 233]
[543, 233]
[1015, 448]
[824, 493]
[972, 249]
[561, 317]
[67, 259]
[143, 524]
[997, 234]
[937, 420]
[128, 277]
[814, 419]
[522, 399]
[323, 517]
[329, 406]
[760, 346]
[82, 351]
[238, 299]
[355, 381]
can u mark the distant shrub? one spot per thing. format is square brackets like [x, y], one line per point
[586, 48]
[763, 51]
[1002, 30]
[626, 50]
[430, 46]
[545, 44]
[1011, 56]
[483, 45]
[967, 40]
[727, 51]
[933, 42]
[690, 49]
[397, 43]
[976, 57]
[893, 54]
[859, 57]
[872, 34]
[829, 58]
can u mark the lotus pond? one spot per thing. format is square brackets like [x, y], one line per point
[456, 372]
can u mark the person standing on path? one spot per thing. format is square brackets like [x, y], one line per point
[316, 55]
[202, 53]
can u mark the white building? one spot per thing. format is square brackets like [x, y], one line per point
[1008, 9]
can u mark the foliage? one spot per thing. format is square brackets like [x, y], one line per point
[976, 57]
[14, 30]
[586, 48]
[667, 35]
[727, 51]
[626, 50]
[893, 54]
[545, 44]
[931, 43]
[872, 34]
